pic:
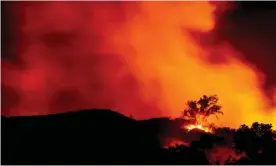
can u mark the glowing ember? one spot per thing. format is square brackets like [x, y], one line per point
[175, 142]
[200, 127]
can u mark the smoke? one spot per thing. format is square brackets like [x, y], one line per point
[66, 65]
[253, 33]
[140, 58]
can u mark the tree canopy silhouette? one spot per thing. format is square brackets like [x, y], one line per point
[204, 107]
[252, 140]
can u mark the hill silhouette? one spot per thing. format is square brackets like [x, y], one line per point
[82, 137]
[101, 136]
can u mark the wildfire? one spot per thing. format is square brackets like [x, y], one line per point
[200, 127]
[151, 56]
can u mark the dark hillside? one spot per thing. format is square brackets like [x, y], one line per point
[87, 136]
[106, 137]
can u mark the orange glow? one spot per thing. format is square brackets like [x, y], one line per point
[157, 45]
[221, 154]
[175, 142]
[200, 127]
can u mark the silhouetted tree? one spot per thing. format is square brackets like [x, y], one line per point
[204, 107]
[253, 140]
[263, 130]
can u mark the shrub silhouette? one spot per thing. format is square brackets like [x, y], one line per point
[253, 140]
[180, 154]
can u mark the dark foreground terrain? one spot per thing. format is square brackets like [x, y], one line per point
[107, 137]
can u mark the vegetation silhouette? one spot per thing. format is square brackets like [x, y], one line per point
[102, 136]
[257, 141]
[201, 109]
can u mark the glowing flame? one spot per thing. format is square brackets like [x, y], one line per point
[200, 127]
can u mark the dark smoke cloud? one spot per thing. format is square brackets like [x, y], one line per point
[251, 29]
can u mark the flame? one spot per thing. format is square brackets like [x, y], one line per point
[200, 127]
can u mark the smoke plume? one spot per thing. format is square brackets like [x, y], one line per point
[141, 58]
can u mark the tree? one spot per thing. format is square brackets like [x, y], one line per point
[203, 108]
[264, 131]
[252, 140]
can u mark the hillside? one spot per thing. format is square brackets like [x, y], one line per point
[86, 136]
[101, 136]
